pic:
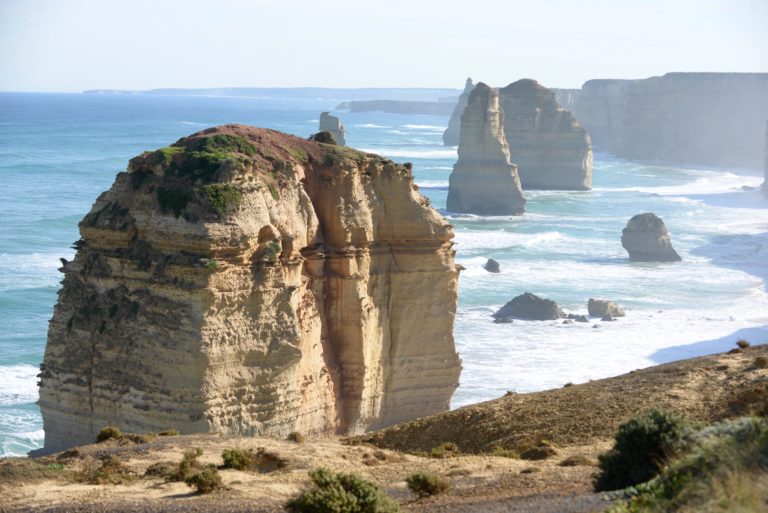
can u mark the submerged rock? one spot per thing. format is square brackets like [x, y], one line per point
[451, 134]
[332, 124]
[602, 307]
[646, 240]
[245, 281]
[492, 266]
[550, 148]
[530, 307]
[484, 181]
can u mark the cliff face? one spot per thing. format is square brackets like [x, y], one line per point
[451, 134]
[600, 109]
[551, 150]
[249, 282]
[700, 118]
[333, 125]
[484, 181]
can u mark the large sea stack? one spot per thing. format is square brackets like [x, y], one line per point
[245, 281]
[646, 240]
[714, 119]
[451, 134]
[551, 150]
[484, 181]
[332, 124]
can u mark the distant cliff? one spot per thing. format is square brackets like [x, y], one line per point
[451, 134]
[484, 181]
[699, 118]
[551, 150]
[245, 281]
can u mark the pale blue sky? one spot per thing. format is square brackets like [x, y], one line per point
[71, 45]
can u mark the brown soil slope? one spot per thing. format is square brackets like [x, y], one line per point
[706, 389]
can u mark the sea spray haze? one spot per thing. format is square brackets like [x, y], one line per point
[58, 152]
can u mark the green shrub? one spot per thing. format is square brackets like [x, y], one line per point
[341, 493]
[108, 433]
[444, 450]
[725, 468]
[168, 432]
[162, 469]
[642, 446]
[238, 459]
[205, 480]
[187, 466]
[272, 251]
[223, 197]
[165, 155]
[225, 143]
[423, 484]
[110, 471]
[761, 362]
[743, 344]
[296, 437]
[173, 199]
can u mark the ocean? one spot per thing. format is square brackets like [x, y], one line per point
[58, 152]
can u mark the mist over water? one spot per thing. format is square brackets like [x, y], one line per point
[59, 152]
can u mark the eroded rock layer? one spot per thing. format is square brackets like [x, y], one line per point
[245, 281]
[551, 150]
[484, 181]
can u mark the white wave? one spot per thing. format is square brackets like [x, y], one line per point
[416, 154]
[371, 125]
[18, 384]
[432, 184]
[193, 123]
[424, 127]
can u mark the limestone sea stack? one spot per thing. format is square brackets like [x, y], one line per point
[332, 124]
[245, 281]
[550, 148]
[646, 240]
[451, 134]
[484, 181]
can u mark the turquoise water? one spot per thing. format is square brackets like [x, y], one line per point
[58, 152]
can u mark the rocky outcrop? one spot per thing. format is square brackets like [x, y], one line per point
[530, 307]
[602, 308]
[646, 240]
[333, 125]
[492, 266]
[484, 181]
[700, 118]
[451, 134]
[245, 281]
[551, 150]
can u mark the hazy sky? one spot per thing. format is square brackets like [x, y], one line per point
[71, 45]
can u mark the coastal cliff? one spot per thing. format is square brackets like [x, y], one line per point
[451, 134]
[551, 150]
[245, 281]
[484, 181]
[699, 118]
[332, 124]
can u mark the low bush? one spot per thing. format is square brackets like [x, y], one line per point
[743, 344]
[296, 437]
[110, 471]
[205, 480]
[505, 453]
[341, 493]
[108, 433]
[423, 484]
[578, 460]
[187, 466]
[445, 450]
[222, 197]
[169, 432]
[642, 446]
[238, 459]
[761, 362]
[724, 469]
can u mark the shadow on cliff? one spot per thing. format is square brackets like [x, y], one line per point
[755, 336]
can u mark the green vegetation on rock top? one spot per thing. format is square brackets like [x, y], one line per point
[223, 197]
